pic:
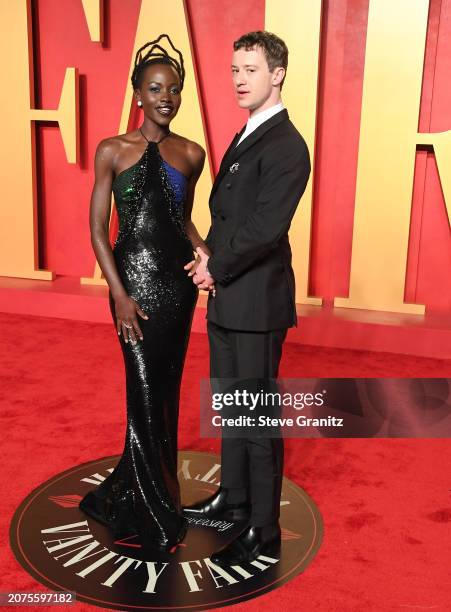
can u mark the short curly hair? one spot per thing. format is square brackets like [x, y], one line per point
[274, 48]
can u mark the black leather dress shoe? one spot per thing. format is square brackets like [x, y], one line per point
[217, 506]
[251, 543]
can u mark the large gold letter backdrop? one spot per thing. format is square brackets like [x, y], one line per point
[18, 214]
[394, 59]
[301, 32]
[94, 13]
[389, 135]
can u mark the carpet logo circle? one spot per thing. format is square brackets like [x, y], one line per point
[65, 550]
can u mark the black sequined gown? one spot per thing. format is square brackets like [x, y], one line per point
[142, 494]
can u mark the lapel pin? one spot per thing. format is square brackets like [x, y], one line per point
[234, 167]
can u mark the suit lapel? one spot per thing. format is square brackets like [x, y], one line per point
[258, 133]
[223, 167]
[233, 152]
[232, 145]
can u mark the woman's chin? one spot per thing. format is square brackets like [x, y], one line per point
[161, 120]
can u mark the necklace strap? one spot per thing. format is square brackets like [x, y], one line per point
[155, 141]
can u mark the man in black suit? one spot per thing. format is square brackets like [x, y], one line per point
[251, 302]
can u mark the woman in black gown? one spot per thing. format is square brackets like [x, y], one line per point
[152, 173]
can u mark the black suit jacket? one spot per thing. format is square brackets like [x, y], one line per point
[252, 203]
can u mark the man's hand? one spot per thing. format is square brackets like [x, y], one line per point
[191, 267]
[202, 278]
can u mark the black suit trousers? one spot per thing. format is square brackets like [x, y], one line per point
[251, 468]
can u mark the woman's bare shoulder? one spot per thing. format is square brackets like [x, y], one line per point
[193, 150]
[115, 143]
[190, 146]
[109, 148]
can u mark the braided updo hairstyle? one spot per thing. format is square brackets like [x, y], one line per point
[156, 55]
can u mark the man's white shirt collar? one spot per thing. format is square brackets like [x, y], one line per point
[256, 120]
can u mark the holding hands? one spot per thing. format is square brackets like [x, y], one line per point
[127, 310]
[198, 269]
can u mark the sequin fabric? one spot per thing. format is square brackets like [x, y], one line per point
[142, 494]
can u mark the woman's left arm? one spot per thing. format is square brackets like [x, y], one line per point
[196, 156]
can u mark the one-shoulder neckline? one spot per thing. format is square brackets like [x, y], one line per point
[140, 159]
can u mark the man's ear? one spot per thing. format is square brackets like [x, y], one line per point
[278, 75]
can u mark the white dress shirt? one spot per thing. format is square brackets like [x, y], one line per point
[256, 120]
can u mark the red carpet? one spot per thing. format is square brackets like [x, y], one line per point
[386, 504]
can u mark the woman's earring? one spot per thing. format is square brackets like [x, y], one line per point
[140, 103]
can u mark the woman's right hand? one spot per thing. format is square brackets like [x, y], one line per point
[126, 320]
